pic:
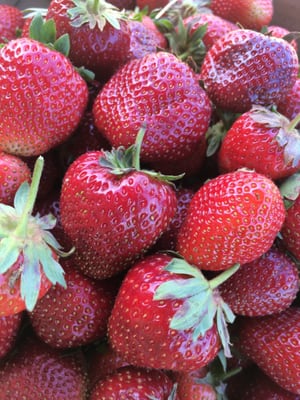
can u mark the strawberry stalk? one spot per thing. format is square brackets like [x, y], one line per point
[294, 122]
[202, 303]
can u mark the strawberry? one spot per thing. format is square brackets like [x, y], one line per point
[264, 286]
[74, 316]
[290, 105]
[245, 67]
[13, 172]
[40, 106]
[119, 212]
[134, 383]
[272, 342]
[29, 252]
[161, 92]
[232, 218]
[191, 386]
[280, 32]
[164, 316]
[11, 20]
[9, 329]
[151, 4]
[36, 371]
[262, 140]
[99, 35]
[252, 14]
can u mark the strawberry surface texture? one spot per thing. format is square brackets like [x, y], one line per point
[149, 201]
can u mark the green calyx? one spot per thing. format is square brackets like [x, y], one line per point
[95, 13]
[202, 305]
[28, 237]
[121, 161]
[288, 136]
[290, 189]
[214, 136]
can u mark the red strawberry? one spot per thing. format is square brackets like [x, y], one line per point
[245, 67]
[73, 316]
[11, 20]
[280, 32]
[43, 97]
[119, 211]
[29, 252]
[290, 105]
[191, 386]
[233, 218]
[273, 343]
[164, 316]
[262, 140]
[252, 14]
[9, 329]
[134, 383]
[99, 35]
[151, 4]
[264, 286]
[162, 92]
[13, 172]
[38, 372]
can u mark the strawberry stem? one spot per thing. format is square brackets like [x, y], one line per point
[137, 148]
[218, 280]
[294, 122]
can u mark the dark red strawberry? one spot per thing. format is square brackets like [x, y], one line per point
[273, 343]
[11, 20]
[9, 329]
[280, 32]
[290, 105]
[161, 92]
[135, 383]
[191, 386]
[164, 316]
[99, 35]
[73, 316]
[264, 286]
[42, 96]
[232, 218]
[38, 372]
[112, 210]
[252, 14]
[151, 4]
[13, 172]
[245, 67]
[264, 141]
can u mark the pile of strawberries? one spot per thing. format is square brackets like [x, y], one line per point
[149, 202]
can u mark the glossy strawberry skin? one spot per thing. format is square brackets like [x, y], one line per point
[39, 372]
[291, 229]
[190, 387]
[254, 145]
[233, 218]
[273, 343]
[114, 220]
[290, 105]
[264, 286]
[9, 329]
[133, 383]
[11, 19]
[252, 14]
[148, 341]
[162, 92]
[45, 104]
[99, 51]
[245, 67]
[13, 172]
[73, 316]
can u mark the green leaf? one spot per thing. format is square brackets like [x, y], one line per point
[180, 266]
[223, 332]
[21, 197]
[9, 253]
[178, 289]
[30, 278]
[36, 26]
[62, 44]
[206, 321]
[47, 221]
[51, 267]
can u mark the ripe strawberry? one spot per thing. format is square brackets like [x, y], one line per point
[99, 35]
[42, 96]
[245, 67]
[164, 316]
[273, 343]
[38, 372]
[253, 14]
[280, 32]
[161, 92]
[151, 4]
[264, 286]
[11, 20]
[191, 386]
[73, 316]
[29, 252]
[290, 105]
[119, 211]
[134, 383]
[9, 329]
[13, 172]
[262, 140]
[233, 218]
